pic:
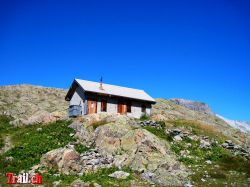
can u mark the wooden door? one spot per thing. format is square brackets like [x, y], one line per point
[122, 108]
[104, 105]
[92, 106]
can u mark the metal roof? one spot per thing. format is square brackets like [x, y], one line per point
[109, 89]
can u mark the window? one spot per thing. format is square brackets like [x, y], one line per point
[129, 106]
[143, 108]
[104, 105]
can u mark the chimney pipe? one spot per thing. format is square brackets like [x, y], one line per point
[101, 87]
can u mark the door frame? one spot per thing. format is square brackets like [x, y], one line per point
[89, 100]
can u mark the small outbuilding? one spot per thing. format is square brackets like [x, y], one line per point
[87, 97]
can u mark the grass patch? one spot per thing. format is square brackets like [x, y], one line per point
[144, 117]
[101, 177]
[198, 155]
[198, 128]
[30, 144]
[160, 133]
[81, 148]
[49, 177]
[1, 142]
[5, 126]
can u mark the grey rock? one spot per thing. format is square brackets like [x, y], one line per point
[203, 180]
[39, 129]
[96, 185]
[56, 183]
[205, 144]
[148, 175]
[208, 162]
[93, 162]
[228, 141]
[177, 138]
[79, 183]
[175, 132]
[119, 175]
[188, 185]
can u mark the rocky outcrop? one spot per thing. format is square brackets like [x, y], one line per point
[118, 143]
[141, 151]
[84, 134]
[66, 160]
[193, 105]
[237, 149]
[207, 143]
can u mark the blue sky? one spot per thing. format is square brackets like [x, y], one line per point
[197, 50]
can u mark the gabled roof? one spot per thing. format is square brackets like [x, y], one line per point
[109, 89]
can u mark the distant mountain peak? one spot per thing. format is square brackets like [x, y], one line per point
[241, 125]
[193, 105]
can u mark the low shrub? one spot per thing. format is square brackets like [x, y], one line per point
[144, 117]
[81, 148]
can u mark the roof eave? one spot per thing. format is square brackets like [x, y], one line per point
[149, 101]
[71, 90]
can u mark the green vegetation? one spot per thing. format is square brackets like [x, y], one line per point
[30, 144]
[160, 133]
[196, 154]
[81, 148]
[144, 117]
[52, 175]
[1, 142]
[5, 126]
[101, 177]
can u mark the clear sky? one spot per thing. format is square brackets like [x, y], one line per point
[198, 50]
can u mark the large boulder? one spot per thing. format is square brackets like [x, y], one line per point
[66, 160]
[140, 150]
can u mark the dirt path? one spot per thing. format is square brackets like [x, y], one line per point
[7, 145]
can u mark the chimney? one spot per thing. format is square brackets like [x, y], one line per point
[101, 87]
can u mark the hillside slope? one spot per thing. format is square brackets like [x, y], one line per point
[29, 104]
[167, 110]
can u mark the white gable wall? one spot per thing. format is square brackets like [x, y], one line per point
[78, 98]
